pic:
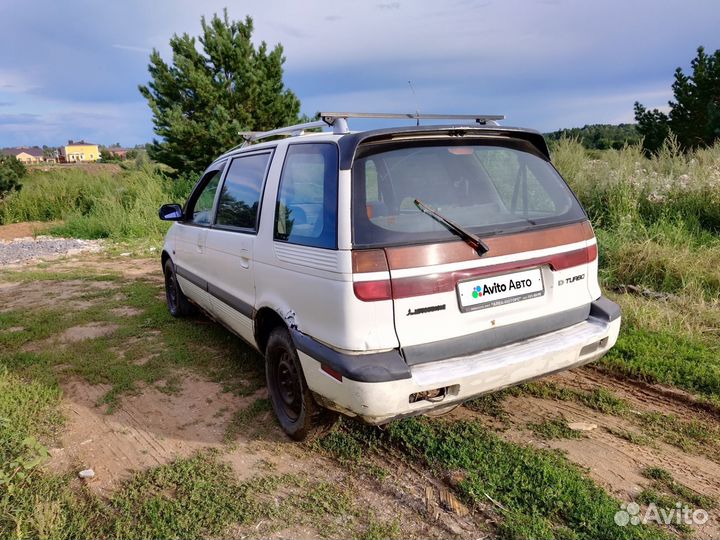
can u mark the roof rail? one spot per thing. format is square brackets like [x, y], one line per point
[331, 117]
[291, 131]
[338, 120]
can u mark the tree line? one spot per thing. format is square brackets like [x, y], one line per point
[600, 136]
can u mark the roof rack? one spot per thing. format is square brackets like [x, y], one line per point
[331, 117]
[338, 121]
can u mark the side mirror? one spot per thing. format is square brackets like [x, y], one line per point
[171, 212]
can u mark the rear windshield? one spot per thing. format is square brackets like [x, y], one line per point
[487, 187]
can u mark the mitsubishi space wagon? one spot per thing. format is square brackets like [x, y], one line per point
[391, 272]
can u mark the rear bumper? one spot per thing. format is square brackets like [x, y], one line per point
[470, 376]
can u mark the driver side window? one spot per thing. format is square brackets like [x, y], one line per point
[203, 207]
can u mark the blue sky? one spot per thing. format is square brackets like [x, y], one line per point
[70, 69]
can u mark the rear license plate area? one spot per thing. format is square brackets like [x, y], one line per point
[499, 290]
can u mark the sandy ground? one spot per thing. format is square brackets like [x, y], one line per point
[23, 230]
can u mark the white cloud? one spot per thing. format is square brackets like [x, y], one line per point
[16, 81]
[133, 48]
[55, 121]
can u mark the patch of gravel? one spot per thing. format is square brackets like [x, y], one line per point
[44, 247]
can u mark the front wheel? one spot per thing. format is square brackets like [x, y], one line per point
[294, 406]
[177, 303]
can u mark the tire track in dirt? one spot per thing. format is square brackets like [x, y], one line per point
[657, 396]
[149, 428]
[612, 461]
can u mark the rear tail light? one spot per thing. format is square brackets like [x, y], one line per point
[370, 261]
[561, 261]
[372, 291]
[445, 282]
[374, 260]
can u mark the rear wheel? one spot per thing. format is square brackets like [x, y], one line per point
[294, 406]
[177, 303]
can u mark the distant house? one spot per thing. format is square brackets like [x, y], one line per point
[79, 151]
[25, 154]
[117, 151]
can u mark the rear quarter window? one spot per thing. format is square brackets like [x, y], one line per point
[306, 209]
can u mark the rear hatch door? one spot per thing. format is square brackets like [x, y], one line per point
[448, 300]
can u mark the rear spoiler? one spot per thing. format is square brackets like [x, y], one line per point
[349, 143]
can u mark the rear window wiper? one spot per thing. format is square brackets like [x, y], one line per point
[475, 242]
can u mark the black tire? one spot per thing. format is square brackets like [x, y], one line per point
[298, 414]
[177, 303]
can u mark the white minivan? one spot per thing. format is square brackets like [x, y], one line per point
[391, 272]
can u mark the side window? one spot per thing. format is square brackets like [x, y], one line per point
[306, 210]
[240, 196]
[203, 204]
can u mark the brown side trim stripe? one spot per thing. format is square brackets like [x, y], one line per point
[399, 258]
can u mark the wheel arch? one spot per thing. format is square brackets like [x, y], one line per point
[265, 321]
[163, 258]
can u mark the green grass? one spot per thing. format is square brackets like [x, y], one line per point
[554, 428]
[657, 222]
[382, 530]
[599, 399]
[490, 404]
[40, 504]
[687, 434]
[667, 493]
[28, 410]
[344, 446]
[355, 447]
[186, 499]
[66, 275]
[630, 436]
[544, 495]
[663, 480]
[92, 204]
[540, 493]
[115, 359]
[658, 226]
[657, 219]
[196, 497]
[681, 361]
[690, 435]
[243, 420]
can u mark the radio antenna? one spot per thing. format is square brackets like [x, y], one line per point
[417, 107]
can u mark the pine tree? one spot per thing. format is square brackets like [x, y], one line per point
[11, 172]
[653, 126]
[694, 116]
[205, 98]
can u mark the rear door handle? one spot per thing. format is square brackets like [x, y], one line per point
[200, 239]
[245, 258]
